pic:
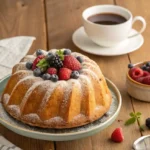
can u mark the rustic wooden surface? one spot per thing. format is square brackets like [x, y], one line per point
[53, 22]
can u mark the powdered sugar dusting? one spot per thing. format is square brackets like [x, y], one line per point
[54, 120]
[6, 98]
[34, 118]
[15, 110]
[28, 58]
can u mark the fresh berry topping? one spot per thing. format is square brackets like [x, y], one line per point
[135, 73]
[29, 65]
[130, 65]
[52, 71]
[64, 74]
[46, 76]
[117, 135]
[145, 73]
[71, 62]
[148, 122]
[148, 64]
[37, 72]
[67, 52]
[54, 78]
[50, 57]
[79, 59]
[75, 75]
[140, 79]
[56, 62]
[146, 80]
[143, 67]
[39, 52]
[36, 61]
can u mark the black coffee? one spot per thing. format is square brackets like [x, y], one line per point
[107, 19]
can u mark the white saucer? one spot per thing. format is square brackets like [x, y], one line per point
[82, 41]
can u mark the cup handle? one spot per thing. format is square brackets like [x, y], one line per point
[138, 18]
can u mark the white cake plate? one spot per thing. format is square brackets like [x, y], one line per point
[62, 134]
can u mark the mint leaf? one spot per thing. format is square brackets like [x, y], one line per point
[142, 128]
[138, 114]
[132, 114]
[60, 53]
[130, 121]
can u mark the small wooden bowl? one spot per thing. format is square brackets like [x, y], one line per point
[138, 90]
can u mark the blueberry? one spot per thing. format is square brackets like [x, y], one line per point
[29, 65]
[143, 67]
[50, 57]
[79, 59]
[67, 52]
[148, 64]
[39, 52]
[148, 122]
[46, 76]
[54, 78]
[130, 66]
[147, 68]
[37, 72]
[75, 75]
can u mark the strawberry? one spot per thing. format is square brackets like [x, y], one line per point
[136, 72]
[117, 135]
[71, 62]
[35, 62]
[52, 71]
[64, 73]
[146, 80]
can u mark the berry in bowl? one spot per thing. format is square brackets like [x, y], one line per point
[138, 81]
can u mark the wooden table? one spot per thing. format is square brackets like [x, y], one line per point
[53, 22]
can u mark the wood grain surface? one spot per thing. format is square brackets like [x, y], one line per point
[53, 22]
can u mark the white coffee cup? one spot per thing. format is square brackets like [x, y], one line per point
[110, 35]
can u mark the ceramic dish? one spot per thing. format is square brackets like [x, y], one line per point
[63, 134]
[82, 41]
[138, 90]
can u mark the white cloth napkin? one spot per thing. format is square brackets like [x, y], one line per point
[12, 50]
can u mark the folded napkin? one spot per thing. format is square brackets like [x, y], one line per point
[6, 145]
[12, 50]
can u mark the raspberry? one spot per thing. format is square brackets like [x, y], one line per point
[71, 62]
[140, 79]
[146, 80]
[117, 135]
[145, 73]
[52, 71]
[64, 74]
[135, 73]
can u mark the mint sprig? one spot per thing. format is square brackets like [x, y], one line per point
[43, 64]
[133, 118]
[60, 53]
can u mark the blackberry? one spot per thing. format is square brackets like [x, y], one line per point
[56, 62]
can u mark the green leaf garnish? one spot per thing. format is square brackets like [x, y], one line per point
[133, 118]
[60, 53]
[43, 64]
[130, 121]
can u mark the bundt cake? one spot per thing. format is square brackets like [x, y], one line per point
[56, 89]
